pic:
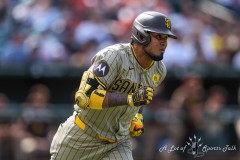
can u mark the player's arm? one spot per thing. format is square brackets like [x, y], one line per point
[90, 96]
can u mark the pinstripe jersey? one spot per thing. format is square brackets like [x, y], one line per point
[118, 70]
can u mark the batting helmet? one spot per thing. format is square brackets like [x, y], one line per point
[150, 21]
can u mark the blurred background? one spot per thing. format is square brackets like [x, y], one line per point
[45, 45]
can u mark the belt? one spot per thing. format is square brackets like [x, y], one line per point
[79, 123]
[82, 126]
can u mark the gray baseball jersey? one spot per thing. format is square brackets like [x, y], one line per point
[117, 70]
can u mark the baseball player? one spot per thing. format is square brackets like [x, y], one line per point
[112, 91]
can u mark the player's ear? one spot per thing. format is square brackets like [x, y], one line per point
[141, 36]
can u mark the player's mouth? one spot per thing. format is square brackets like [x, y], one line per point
[162, 50]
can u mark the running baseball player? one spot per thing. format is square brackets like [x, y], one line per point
[112, 91]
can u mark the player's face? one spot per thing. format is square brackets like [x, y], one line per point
[156, 48]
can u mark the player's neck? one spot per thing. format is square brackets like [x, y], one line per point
[143, 59]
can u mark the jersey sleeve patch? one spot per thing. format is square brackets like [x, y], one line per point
[101, 68]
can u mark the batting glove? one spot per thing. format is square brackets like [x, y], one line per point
[136, 128]
[142, 96]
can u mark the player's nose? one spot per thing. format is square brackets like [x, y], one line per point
[163, 45]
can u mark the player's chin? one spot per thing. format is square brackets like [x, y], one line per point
[157, 58]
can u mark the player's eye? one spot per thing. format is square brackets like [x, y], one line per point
[159, 36]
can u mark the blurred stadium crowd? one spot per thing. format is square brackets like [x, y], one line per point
[67, 33]
[42, 32]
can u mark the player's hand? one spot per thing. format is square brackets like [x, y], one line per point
[142, 96]
[82, 100]
[136, 128]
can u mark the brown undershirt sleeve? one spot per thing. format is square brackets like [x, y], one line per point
[114, 99]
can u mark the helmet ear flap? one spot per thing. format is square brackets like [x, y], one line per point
[139, 35]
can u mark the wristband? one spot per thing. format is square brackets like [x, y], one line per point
[130, 100]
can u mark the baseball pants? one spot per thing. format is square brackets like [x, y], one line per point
[73, 143]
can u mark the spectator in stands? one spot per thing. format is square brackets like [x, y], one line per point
[186, 102]
[92, 29]
[81, 58]
[217, 126]
[15, 53]
[7, 149]
[34, 123]
[190, 92]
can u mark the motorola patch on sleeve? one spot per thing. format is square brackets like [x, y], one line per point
[101, 68]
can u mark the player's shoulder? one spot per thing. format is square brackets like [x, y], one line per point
[113, 52]
[118, 46]
[116, 49]
[160, 67]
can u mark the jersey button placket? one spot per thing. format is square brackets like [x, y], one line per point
[141, 78]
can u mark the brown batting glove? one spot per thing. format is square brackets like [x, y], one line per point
[136, 128]
[142, 96]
